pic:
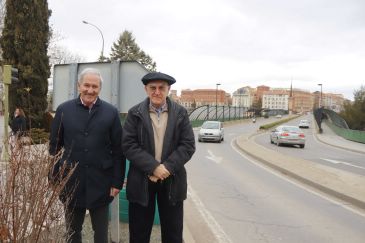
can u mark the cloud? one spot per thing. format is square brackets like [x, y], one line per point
[233, 42]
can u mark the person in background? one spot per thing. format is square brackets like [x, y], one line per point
[18, 124]
[157, 140]
[89, 130]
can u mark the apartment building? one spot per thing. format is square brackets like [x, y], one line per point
[199, 97]
[276, 99]
[301, 101]
[243, 97]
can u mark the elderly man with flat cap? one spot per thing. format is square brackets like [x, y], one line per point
[157, 140]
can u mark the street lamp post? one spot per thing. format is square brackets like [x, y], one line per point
[320, 99]
[101, 58]
[216, 101]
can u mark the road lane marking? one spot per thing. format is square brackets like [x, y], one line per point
[342, 162]
[214, 158]
[214, 226]
[300, 185]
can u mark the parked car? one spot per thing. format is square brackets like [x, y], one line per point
[278, 116]
[288, 135]
[211, 131]
[304, 124]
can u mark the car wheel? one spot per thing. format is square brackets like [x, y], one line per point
[277, 143]
[271, 141]
[199, 140]
[222, 139]
[301, 145]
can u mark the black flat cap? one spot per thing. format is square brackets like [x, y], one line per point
[157, 76]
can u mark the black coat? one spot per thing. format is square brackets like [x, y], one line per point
[93, 141]
[138, 145]
[18, 125]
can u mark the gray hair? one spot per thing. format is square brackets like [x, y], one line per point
[90, 71]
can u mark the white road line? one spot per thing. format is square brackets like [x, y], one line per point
[214, 226]
[214, 158]
[342, 162]
[337, 202]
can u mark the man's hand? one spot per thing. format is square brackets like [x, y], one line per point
[153, 178]
[114, 191]
[161, 172]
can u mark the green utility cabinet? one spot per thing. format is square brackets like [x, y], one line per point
[123, 202]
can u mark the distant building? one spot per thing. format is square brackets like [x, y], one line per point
[276, 99]
[260, 91]
[329, 101]
[199, 97]
[173, 95]
[243, 97]
[301, 101]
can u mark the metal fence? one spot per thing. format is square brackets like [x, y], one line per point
[221, 113]
[338, 125]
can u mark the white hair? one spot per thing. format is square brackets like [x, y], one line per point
[90, 71]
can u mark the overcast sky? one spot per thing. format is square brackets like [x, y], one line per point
[233, 42]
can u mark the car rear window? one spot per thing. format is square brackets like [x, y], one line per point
[291, 129]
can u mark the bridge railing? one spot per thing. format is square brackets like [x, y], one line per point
[218, 113]
[338, 125]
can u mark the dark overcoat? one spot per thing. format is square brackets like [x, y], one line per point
[92, 140]
[138, 146]
[18, 125]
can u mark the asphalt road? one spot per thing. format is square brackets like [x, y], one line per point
[318, 152]
[235, 199]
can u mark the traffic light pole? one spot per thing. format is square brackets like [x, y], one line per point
[7, 82]
[9, 74]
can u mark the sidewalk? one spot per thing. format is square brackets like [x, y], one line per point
[331, 138]
[87, 228]
[343, 185]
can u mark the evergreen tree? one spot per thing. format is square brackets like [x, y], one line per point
[24, 41]
[126, 49]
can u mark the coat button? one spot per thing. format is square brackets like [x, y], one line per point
[86, 150]
[86, 133]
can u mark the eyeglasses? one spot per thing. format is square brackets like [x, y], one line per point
[154, 88]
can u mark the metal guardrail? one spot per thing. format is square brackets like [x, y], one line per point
[221, 113]
[353, 135]
[338, 125]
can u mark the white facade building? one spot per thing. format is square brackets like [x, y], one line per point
[243, 97]
[275, 100]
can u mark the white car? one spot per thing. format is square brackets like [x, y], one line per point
[304, 124]
[211, 131]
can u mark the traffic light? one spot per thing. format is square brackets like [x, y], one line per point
[10, 74]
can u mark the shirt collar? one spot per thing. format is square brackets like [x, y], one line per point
[82, 102]
[163, 108]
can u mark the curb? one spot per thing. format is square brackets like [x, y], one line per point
[337, 146]
[301, 178]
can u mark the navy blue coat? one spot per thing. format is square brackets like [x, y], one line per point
[138, 146]
[92, 140]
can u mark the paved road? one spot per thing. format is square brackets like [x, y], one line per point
[317, 151]
[242, 201]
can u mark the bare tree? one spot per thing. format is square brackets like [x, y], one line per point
[29, 207]
[59, 54]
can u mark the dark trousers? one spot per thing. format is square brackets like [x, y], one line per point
[141, 218]
[75, 219]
